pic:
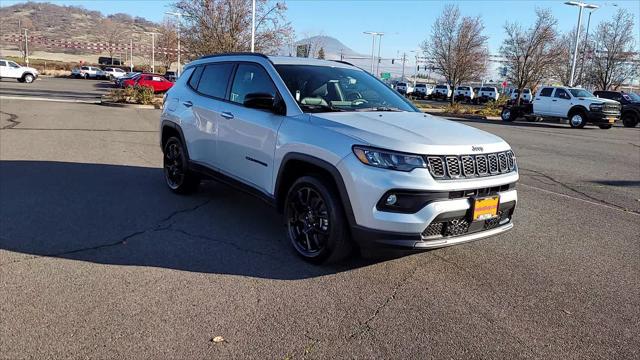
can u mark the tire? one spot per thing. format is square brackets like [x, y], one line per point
[315, 222]
[605, 126]
[629, 120]
[507, 115]
[176, 169]
[577, 119]
[28, 78]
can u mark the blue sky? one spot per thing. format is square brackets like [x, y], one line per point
[405, 23]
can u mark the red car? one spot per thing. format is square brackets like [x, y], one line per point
[155, 81]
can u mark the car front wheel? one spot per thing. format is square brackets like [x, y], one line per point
[176, 169]
[28, 78]
[578, 120]
[315, 221]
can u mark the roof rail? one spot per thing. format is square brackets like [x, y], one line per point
[233, 54]
[343, 62]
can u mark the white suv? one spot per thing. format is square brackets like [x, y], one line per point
[347, 160]
[9, 69]
[88, 72]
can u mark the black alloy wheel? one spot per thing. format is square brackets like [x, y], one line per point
[176, 172]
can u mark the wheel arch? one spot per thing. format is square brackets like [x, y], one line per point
[576, 108]
[295, 165]
[169, 129]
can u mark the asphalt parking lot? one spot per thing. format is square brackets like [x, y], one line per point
[99, 260]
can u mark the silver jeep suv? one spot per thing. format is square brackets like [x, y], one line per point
[347, 160]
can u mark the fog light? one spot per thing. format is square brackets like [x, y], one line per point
[391, 200]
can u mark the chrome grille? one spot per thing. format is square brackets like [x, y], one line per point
[502, 160]
[493, 163]
[468, 166]
[436, 166]
[481, 165]
[453, 166]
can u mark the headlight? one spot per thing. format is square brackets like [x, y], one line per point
[388, 159]
[596, 107]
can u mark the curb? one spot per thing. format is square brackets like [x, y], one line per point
[128, 106]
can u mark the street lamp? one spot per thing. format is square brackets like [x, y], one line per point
[179, 16]
[373, 47]
[581, 5]
[153, 49]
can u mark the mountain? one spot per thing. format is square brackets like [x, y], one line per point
[51, 26]
[332, 47]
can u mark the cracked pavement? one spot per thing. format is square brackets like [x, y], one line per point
[99, 260]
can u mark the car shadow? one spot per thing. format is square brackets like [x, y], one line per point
[618, 183]
[104, 85]
[524, 123]
[125, 215]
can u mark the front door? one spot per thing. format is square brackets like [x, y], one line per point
[246, 136]
[560, 103]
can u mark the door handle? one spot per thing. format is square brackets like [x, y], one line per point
[227, 115]
[187, 103]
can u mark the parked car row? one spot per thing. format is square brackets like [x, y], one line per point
[157, 82]
[109, 73]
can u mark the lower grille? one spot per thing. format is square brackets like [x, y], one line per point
[462, 226]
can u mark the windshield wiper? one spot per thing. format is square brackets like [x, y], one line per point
[381, 108]
[321, 108]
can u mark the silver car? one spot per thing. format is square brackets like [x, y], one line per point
[346, 160]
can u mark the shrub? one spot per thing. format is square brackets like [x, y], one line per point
[143, 95]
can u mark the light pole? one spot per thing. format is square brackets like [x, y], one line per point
[153, 50]
[586, 41]
[581, 5]
[253, 26]
[179, 16]
[378, 63]
[373, 47]
[26, 47]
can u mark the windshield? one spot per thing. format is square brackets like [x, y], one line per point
[327, 88]
[632, 97]
[580, 93]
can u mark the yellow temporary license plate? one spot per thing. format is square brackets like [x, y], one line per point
[485, 208]
[612, 120]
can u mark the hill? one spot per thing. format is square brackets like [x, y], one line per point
[54, 27]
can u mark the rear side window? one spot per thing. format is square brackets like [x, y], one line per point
[195, 78]
[214, 79]
[546, 92]
[251, 78]
[560, 93]
[3, 63]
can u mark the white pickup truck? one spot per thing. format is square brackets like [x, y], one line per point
[11, 70]
[404, 88]
[464, 93]
[442, 91]
[559, 102]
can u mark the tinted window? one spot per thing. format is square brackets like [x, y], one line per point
[560, 93]
[441, 87]
[195, 78]
[421, 86]
[488, 89]
[546, 92]
[402, 84]
[214, 79]
[251, 78]
[3, 63]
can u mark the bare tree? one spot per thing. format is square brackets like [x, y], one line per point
[112, 33]
[531, 54]
[456, 47]
[612, 62]
[321, 53]
[213, 26]
[561, 70]
[167, 43]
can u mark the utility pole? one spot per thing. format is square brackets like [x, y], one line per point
[379, 43]
[179, 16]
[253, 26]
[131, 58]
[153, 50]
[26, 47]
[404, 59]
[373, 47]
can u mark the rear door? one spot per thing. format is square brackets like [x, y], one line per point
[542, 102]
[247, 136]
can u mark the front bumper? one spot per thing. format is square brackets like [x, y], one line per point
[367, 185]
[600, 117]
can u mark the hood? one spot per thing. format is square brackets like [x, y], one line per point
[412, 132]
[600, 100]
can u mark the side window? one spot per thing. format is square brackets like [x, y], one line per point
[214, 79]
[195, 77]
[3, 63]
[546, 92]
[562, 94]
[251, 78]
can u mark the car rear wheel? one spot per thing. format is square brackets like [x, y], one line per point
[629, 120]
[578, 120]
[507, 115]
[315, 221]
[176, 170]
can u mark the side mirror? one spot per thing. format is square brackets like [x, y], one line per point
[264, 101]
